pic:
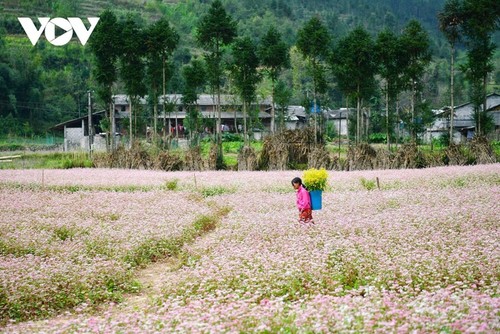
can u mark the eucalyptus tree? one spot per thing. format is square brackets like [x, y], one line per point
[160, 41]
[215, 31]
[313, 42]
[283, 95]
[244, 73]
[387, 53]
[481, 19]
[353, 64]
[274, 57]
[194, 75]
[415, 43]
[132, 65]
[105, 44]
[450, 20]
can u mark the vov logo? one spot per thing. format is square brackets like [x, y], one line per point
[49, 25]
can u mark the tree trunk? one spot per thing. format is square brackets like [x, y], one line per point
[485, 103]
[91, 132]
[347, 120]
[245, 132]
[112, 125]
[235, 122]
[315, 121]
[412, 107]
[397, 122]
[219, 121]
[387, 116]
[155, 115]
[273, 112]
[130, 125]
[367, 121]
[165, 129]
[176, 124]
[358, 117]
[452, 92]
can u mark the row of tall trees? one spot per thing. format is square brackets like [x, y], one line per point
[472, 22]
[59, 77]
[358, 65]
[355, 62]
[141, 56]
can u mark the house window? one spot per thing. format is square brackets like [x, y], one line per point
[124, 108]
[203, 108]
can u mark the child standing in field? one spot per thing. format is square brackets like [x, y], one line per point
[303, 202]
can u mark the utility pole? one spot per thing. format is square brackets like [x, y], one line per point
[91, 137]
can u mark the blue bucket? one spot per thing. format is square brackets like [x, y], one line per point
[316, 199]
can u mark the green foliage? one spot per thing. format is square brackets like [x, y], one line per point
[132, 68]
[215, 30]
[245, 75]
[368, 184]
[172, 184]
[64, 232]
[273, 53]
[344, 271]
[378, 138]
[48, 160]
[231, 138]
[47, 85]
[232, 147]
[244, 68]
[204, 224]
[353, 64]
[10, 247]
[416, 52]
[153, 249]
[105, 45]
[194, 78]
[209, 191]
[77, 162]
[450, 19]
[313, 40]
[496, 148]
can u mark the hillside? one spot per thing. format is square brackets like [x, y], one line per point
[46, 85]
[342, 15]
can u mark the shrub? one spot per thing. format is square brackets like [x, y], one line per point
[378, 138]
[231, 137]
[64, 232]
[368, 184]
[216, 190]
[172, 184]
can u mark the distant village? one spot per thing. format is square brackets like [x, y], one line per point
[76, 131]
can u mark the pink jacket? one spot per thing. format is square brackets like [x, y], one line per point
[303, 199]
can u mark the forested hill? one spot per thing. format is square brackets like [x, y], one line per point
[253, 15]
[43, 85]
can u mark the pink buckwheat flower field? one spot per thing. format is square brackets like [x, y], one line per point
[419, 254]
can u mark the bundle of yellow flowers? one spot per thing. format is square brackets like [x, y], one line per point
[315, 179]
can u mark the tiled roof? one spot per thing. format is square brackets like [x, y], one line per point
[203, 100]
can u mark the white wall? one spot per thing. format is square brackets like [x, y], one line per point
[72, 139]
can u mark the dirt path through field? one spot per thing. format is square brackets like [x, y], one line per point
[151, 279]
